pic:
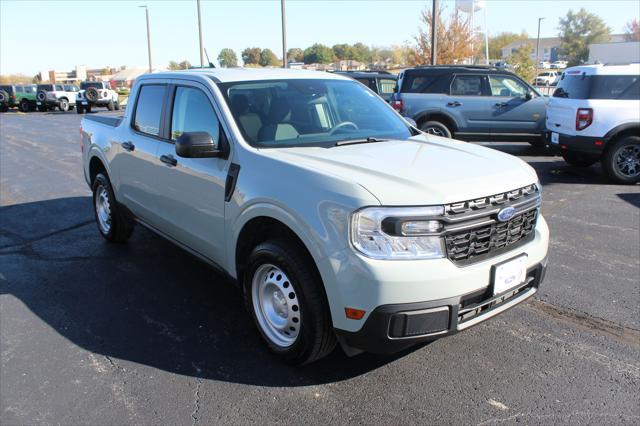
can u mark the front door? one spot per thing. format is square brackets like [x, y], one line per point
[515, 116]
[192, 203]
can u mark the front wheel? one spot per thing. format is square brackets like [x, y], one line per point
[111, 106]
[117, 105]
[578, 160]
[113, 225]
[24, 105]
[436, 128]
[63, 105]
[621, 161]
[79, 109]
[284, 294]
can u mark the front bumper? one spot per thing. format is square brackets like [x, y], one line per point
[392, 328]
[576, 143]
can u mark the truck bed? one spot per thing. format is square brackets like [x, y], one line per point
[109, 121]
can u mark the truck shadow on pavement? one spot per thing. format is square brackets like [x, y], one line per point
[147, 302]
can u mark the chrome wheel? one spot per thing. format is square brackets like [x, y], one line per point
[275, 305]
[103, 209]
[627, 161]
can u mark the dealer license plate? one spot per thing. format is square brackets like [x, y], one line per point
[509, 274]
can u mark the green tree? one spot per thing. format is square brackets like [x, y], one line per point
[173, 66]
[343, 51]
[318, 53]
[295, 54]
[498, 42]
[251, 55]
[361, 53]
[227, 58]
[184, 65]
[632, 30]
[522, 63]
[577, 31]
[268, 58]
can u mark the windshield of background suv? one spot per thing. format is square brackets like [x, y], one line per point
[86, 84]
[310, 112]
[581, 86]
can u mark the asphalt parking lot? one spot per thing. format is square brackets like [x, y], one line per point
[92, 333]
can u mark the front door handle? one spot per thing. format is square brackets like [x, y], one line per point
[454, 104]
[501, 104]
[169, 160]
[129, 146]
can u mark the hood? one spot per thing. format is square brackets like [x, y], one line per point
[423, 170]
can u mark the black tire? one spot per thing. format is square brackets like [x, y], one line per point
[80, 109]
[111, 106]
[579, 160]
[117, 105]
[315, 338]
[614, 164]
[4, 97]
[87, 108]
[63, 105]
[4, 108]
[538, 142]
[119, 226]
[436, 128]
[42, 108]
[24, 105]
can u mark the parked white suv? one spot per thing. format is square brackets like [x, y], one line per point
[594, 114]
[97, 93]
[50, 96]
[546, 78]
[339, 220]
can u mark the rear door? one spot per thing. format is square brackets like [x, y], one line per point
[191, 206]
[469, 101]
[136, 160]
[515, 116]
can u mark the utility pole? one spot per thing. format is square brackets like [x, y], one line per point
[200, 36]
[434, 23]
[538, 49]
[284, 35]
[146, 11]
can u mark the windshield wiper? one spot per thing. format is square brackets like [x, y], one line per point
[357, 141]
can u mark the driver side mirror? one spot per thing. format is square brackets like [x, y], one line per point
[528, 96]
[199, 145]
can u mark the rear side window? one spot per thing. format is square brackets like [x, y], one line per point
[19, 89]
[30, 89]
[425, 83]
[193, 112]
[467, 85]
[148, 113]
[59, 88]
[598, 87]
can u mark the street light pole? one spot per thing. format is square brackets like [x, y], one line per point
[434, 23]
[200, 36]
[146, 11]
[538, 50]
[284, 35]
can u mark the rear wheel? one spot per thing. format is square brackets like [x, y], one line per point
[111, 106]
[285, 296]
[113, 225]
[24, 105]
[621, 161]
[578, 160]
[436, 128]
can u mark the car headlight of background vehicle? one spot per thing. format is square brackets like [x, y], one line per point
[398, 232]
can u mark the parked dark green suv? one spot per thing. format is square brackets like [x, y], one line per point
[21, 96]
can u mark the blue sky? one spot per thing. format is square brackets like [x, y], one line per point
[44, 35]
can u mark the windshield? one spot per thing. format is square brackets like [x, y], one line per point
[85, 85]
[310, 112]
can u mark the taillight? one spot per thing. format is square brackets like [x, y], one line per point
[584, 118]
[398, 105]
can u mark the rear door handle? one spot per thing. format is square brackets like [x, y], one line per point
[169, 160]
[129, 146]
[454, 104]
[501, 104]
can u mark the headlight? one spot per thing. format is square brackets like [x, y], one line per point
[398, 232]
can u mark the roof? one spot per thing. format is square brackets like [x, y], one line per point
[468, 69]
[551, 41]
[224, 75]
[604, 69]
[368, 74]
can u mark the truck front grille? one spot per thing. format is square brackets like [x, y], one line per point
[473, 232]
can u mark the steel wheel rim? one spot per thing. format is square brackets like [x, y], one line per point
[103, 209]
[276, 306]
[435, 131]
[627, 161]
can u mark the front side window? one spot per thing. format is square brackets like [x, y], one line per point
[59, 88]
[467, 85]
[148, 113]
[30, 89]
[19, 89]
[502, 85]
[192, 112]
[310, 112]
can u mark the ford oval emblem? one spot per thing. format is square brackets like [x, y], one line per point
[506, 214]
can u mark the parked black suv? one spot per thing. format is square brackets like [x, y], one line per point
[381, 82]
[471, 103]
